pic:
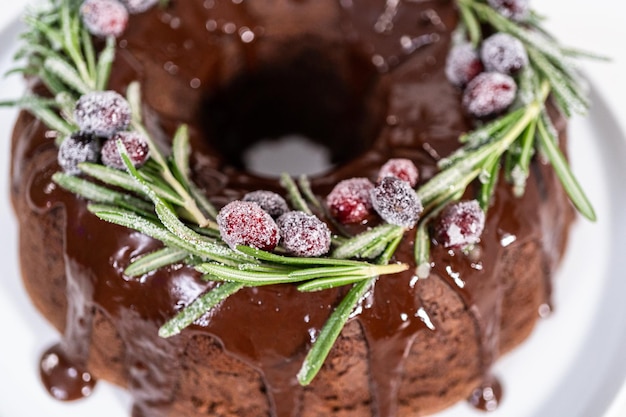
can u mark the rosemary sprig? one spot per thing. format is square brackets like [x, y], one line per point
[179, 185]
[59, 51]
[551, 72]
[572, 187]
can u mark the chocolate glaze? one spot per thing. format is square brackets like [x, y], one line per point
[389, 65]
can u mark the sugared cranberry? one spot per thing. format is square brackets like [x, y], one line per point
[76, 148]
[513, 9]
[139, 6]
[396, 202]
[245, 223]
[489, 94]
[104, 17]
[463, 64]
[102, 113]
[460, 224]
[349, 201]
[136, 147]
[503, 53]
[401, 168]
[303, 234]
[269, 201]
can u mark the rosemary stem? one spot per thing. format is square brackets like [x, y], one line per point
[331, 331]
[294, 193]
[199, 307]
[71, 46]
[189, 203]
[532, 112]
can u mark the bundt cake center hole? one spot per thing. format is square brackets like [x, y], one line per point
[305, 111]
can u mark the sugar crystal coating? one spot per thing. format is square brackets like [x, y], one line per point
[139, 6]
[104, 17]
[246, 223]
[463, 64]
[102, 113]
[136, 147]
[396, 202]
[401, 168]
[489, 94]
[513, 9]
[460, 224]
[503, 53]
[303, 234]
[274, 204]
[76, 148]
[349, 201]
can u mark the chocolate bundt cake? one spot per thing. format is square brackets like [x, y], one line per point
[370, 81]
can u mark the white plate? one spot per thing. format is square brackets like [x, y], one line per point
[571, 366]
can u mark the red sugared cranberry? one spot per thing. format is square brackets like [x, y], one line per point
[303, 234]
[396, 202]
[76, 148]
[349, 201]
[104, 17]
[102, 113]
[503, 53]
[139, 6]
[513, 9]
[245, 223]
[460, 224]
[135, 144]
[463, 64]
[269, 201]
[489, 94]
[401, 168]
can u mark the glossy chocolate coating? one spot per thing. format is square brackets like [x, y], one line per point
[364, 81]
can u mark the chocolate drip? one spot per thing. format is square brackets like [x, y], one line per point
[62, 377]
[474, 276]
[64, 366]
[487, 396]
[180, 55]
[390, 324]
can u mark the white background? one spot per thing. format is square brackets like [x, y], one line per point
[598, 26]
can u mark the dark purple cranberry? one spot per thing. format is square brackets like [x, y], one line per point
[77, 148]
[272, 203]
[245, 223]
[104, 17]
[139, 6]
[463, 64]
[517, 10]
[349, 201]
[396, 202]
[102, 113]
[136, 147]
[401, 168]
[489, 94]
[503, 53]
[460, 224]
[303, 234]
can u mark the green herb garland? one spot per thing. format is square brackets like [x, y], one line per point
[161, 201]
